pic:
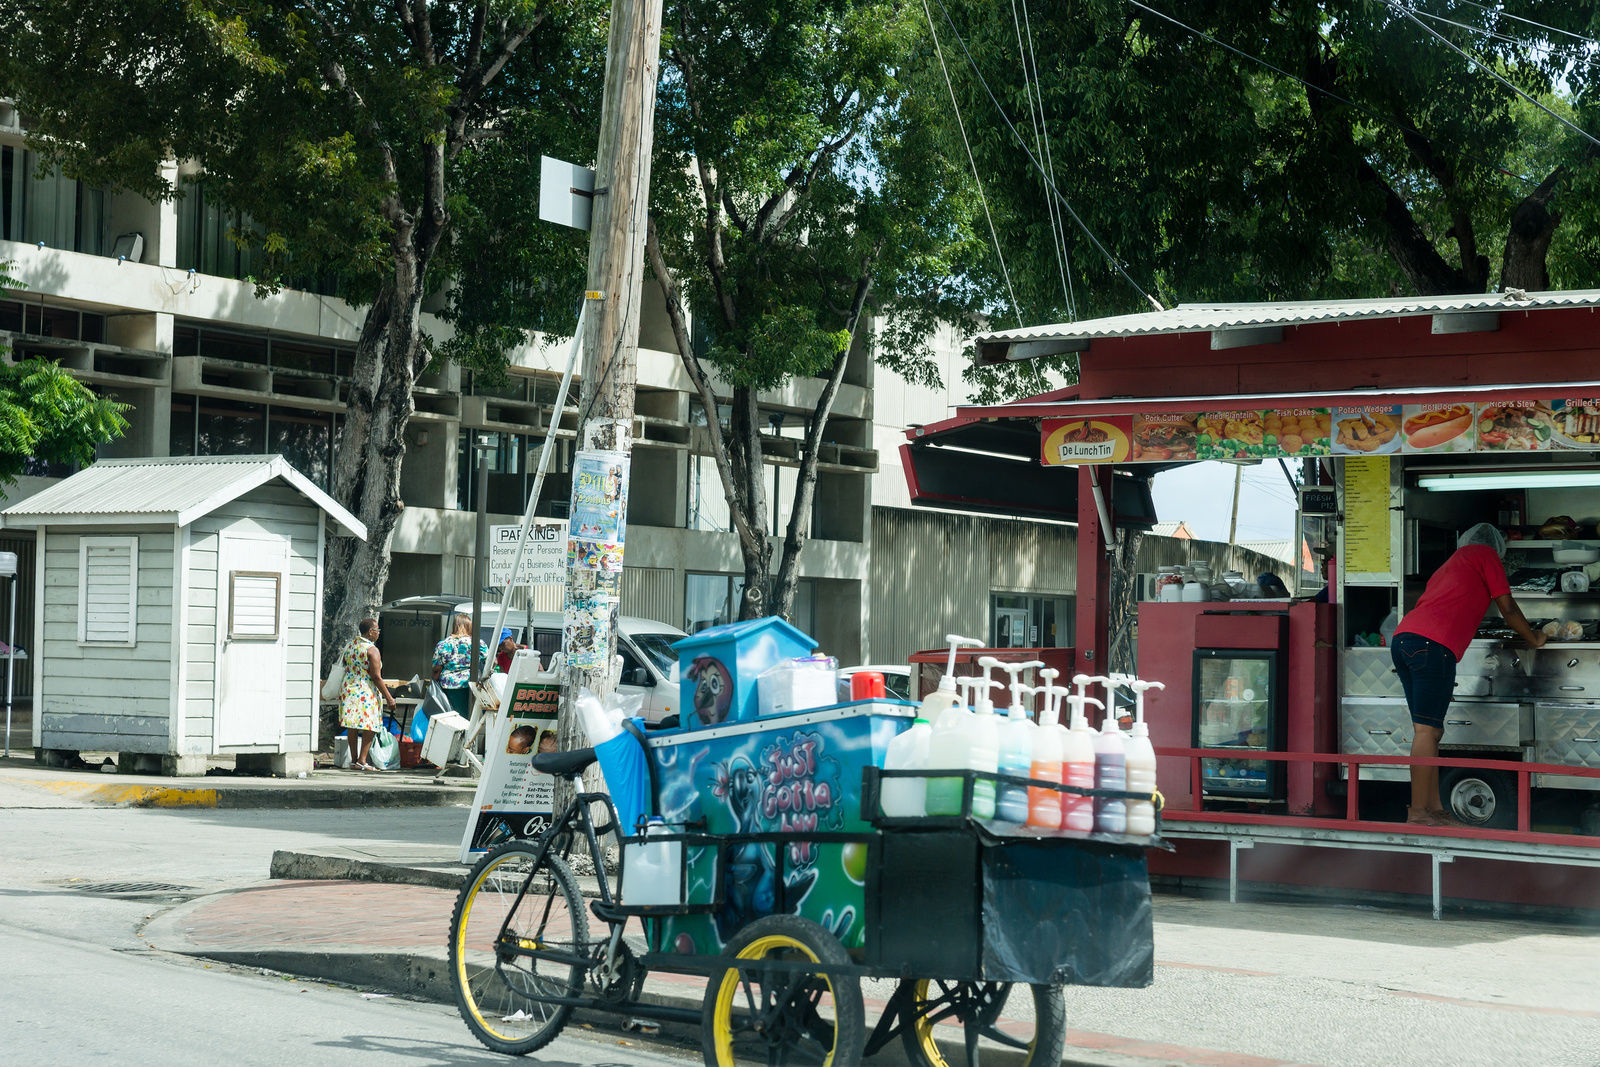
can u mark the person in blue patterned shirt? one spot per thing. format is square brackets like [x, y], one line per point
[452, 663]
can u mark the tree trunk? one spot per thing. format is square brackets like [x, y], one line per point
[747, 457]
[367, 456]
[1124, 601]
[1533, 224]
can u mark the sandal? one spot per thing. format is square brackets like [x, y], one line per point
[1434, 817]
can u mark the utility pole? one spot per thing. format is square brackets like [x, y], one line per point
[1233, 523]
[598, 516]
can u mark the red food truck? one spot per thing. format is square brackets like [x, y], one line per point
[1283, 734]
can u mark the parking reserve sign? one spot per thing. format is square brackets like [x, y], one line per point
[544, 561]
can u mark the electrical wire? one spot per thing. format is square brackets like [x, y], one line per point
[1544, 46]
[1496, 75]
[1040, 144]
[1050, 179]
[1016, 308]
[1049, 162]
[1530, 22]
[1402, 127]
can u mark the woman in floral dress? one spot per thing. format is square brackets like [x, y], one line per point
[363, 694]
[452, 663]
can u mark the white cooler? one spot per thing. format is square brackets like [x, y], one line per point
[442, 744]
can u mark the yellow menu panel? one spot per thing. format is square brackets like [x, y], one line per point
[1366, 515]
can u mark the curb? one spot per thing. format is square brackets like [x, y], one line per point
[308, 866]
[250, 797]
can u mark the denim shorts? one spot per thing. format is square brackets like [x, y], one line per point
[1427, 671]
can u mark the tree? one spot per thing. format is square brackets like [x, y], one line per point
[800, 191]
[1373, 159]
[352, 135]
[46, 413]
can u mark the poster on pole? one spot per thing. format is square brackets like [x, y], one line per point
[597, 532]
[513, 800]
[544, 560]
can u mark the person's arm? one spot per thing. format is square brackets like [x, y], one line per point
[1509, 611]
[375, 671]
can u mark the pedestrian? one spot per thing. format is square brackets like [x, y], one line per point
[506, 652]
[1431, 640]
[361, 693]
[452, 663]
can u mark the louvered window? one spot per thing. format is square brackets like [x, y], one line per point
[253, 604]
[108, 590]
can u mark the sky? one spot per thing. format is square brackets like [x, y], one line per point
[1201, 494]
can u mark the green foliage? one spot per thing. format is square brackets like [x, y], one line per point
[45, 413]
[794, 120]
[1211, 177]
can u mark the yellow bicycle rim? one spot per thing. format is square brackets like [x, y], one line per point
[757, 949]
[460, 934]
[923, 1028]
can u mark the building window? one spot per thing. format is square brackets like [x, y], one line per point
[305, 439]
[206, 426]
[513, 464]
[1019, 620]
[63, 213]
[230, 428]
[108, 590]
[713, 599]
[254, 599]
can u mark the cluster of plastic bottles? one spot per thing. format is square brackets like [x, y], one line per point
[959, 733]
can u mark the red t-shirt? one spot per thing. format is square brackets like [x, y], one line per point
[1457, 596]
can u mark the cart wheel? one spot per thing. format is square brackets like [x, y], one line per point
[779, 1016]
[977, 1006]
[494, 989]
[1480, 798]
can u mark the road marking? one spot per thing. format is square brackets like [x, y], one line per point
[1572, 1013]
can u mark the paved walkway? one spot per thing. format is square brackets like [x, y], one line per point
[1249, 985]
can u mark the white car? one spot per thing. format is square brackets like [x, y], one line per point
[896, 680]
[412, 626]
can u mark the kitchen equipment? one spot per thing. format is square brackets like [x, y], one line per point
[1575, 554]
[1238, 707]
[1574, 582]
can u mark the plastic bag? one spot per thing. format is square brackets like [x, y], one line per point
[385, 751]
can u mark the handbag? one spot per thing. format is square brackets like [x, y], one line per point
[335, 682]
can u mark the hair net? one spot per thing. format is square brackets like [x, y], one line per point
[1484, 534]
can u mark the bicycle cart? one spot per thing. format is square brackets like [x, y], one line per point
[786, 923]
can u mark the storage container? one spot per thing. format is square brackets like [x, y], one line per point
[717, 668]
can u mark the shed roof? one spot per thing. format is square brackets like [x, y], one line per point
[167, 491]
[1222, 317]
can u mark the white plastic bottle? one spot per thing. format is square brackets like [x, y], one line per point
[653, 870]
[1077, 768]
[949, 717]
[1044, 805]
[1110, 772]
[906, 798]
[983, 742]
[937, 702]
[1015, 736]
[1141, 765]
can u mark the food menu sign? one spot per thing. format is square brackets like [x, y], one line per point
[1533, 424]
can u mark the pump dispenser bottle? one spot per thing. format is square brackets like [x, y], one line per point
[1015, 749]
[1077, 766]
[983, 742]
[1110, 772]
[1044, 805]
[1141, 765]
[942, 711]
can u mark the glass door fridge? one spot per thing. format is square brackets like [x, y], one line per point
[1237, 698]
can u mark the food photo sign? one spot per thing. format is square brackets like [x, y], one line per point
[1534, 424]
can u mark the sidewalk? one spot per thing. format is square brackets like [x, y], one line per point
[1250, 985]
[25, 784]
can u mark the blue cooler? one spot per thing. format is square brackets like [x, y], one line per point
[717, 668]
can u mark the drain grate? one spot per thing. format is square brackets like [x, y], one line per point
[129, 889]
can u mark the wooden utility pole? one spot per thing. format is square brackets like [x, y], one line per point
[1233, 523]
[610, 363]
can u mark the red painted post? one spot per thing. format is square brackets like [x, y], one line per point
[1094, 576]
[1524, 800]
[1352, 795]
[1197, 787]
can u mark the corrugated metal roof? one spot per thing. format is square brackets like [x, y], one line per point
[174, 490]
[1195, 318]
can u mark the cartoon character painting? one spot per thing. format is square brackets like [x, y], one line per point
[713, 689]
[750, 873]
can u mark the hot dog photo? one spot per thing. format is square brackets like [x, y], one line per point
[1435, 428]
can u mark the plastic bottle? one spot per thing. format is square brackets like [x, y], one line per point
[1044, 805]
[1015, 737]
[1077, 767]
[1110, 772]
[983, 742]
[906, 798]
[652, 870]
[949, 717]
[1141, 765]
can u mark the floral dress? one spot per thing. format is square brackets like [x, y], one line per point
[359, 706]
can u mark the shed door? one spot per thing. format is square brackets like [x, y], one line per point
[252, 643]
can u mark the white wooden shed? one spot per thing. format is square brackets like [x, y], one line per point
[179, 610]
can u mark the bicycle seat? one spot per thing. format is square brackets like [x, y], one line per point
[563, 764]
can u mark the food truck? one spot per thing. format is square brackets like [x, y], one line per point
[1407, 421]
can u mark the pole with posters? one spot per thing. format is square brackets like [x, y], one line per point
[598, 518]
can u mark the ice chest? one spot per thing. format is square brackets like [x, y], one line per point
[785, 774]
[717, 668]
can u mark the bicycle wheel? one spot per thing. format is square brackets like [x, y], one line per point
[495, 989]
[976, 1006]
[782, 1016]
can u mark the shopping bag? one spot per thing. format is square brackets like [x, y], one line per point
[434, 702]
[385, 751]
[335, 682]
[622, 761]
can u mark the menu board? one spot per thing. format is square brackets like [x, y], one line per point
[1366, 515]
[1529, 424]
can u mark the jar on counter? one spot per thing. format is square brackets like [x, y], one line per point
[1194, 590]
[1169, 585]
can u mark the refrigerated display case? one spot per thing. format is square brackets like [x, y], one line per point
[1237, 706]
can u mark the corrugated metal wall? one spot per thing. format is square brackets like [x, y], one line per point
[651, 593]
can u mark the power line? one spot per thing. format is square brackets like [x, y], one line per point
[1402, 127]
[1040, 142]
[1016, 309]
[1530, 22]
[1050, 179]
[1496, 75]
[1049, 162]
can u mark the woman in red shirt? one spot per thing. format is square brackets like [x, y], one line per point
[1431, 640]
